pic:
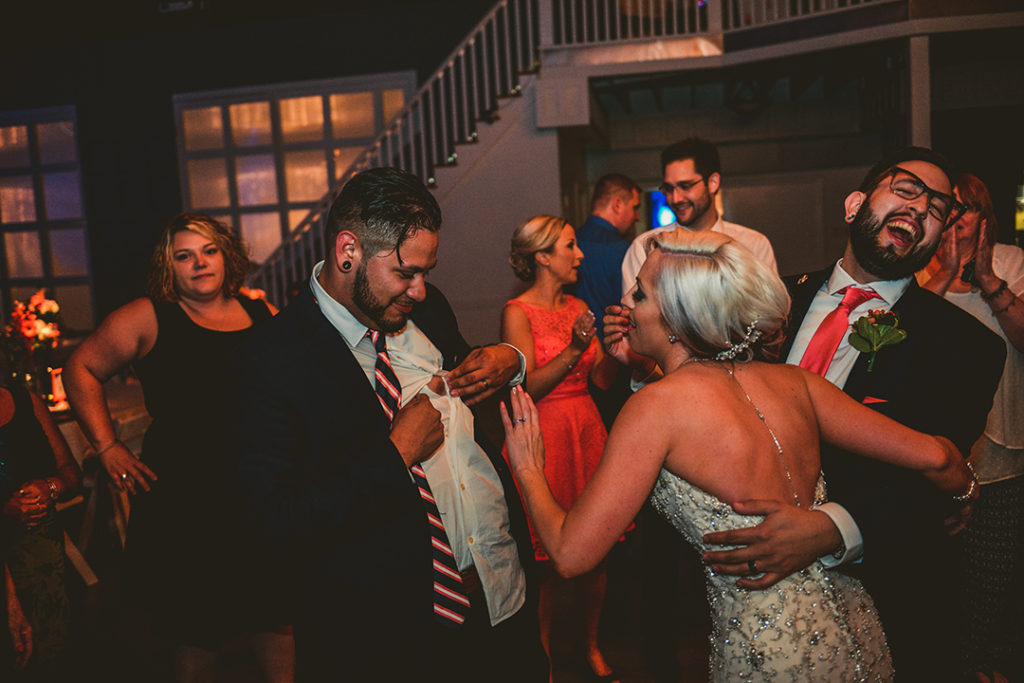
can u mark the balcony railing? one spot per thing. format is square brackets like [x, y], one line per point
[741, 14]
[590, 22]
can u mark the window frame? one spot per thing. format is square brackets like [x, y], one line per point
[273, 94]
[43, 225]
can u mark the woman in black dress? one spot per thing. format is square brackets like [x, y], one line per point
[184, 535]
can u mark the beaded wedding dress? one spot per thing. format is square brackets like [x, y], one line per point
[815, 625]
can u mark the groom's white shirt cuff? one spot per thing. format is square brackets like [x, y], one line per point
[521, 375]
[848, 529]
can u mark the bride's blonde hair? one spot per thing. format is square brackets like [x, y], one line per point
[711, 290]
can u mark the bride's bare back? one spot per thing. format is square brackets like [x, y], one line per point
[718, 442]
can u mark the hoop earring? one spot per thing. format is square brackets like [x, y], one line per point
[346, 266]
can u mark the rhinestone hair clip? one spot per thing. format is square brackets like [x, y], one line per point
[743, 347]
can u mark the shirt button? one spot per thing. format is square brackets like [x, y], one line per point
[471, 540]
[462, 486]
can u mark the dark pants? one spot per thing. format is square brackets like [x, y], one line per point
[509, 652]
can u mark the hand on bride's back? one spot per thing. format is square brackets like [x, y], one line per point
[523, 440]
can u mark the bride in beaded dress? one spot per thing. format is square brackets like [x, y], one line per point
[721, 426]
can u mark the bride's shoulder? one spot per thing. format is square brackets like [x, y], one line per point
[673, 396]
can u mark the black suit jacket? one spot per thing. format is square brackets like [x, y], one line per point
[939, 380]
[333, 499]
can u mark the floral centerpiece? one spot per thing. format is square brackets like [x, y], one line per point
[29, 338]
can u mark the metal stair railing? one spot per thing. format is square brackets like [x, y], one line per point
[422, 136]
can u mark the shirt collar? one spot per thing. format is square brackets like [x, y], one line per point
[350, 328]
[716, 227]
[601, 222]
[889, 290]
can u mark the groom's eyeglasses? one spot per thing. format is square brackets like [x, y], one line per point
[941, 206]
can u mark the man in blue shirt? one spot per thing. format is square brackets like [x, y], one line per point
[603, 239]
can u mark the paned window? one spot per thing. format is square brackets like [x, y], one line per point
[44, 236]
[261, 158]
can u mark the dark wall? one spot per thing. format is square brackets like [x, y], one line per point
[121, 69]
[978, 100]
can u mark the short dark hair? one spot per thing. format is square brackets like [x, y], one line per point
[704, 155]
[610, 186]
[382, 207]
[879, 170]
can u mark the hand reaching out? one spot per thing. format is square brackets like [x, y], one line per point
[484, 371]
[523, 439]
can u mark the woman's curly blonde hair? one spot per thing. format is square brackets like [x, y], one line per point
[160, 281]
[539, 233]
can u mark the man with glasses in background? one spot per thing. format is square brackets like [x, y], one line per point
[691, 176]
[884, 524]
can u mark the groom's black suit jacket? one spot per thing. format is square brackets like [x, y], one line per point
[940, 380]
[331, 498]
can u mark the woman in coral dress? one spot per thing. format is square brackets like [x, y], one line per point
[555, 331]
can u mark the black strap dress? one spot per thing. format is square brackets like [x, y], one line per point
[184, 536]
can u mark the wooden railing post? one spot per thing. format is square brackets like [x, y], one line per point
[546, 22]
[714, 9]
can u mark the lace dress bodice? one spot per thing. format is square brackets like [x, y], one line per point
[552, 332]
[812, 626]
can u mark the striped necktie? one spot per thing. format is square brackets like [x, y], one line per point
[451, 606]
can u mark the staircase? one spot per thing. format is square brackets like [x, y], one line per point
[428, 134]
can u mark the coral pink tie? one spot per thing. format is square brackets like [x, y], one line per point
[451, 606]
[832, 329]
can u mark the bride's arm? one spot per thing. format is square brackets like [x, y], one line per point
[856, 428]
[577, 540]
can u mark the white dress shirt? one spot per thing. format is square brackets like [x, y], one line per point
[825, 301]
[466, 487]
